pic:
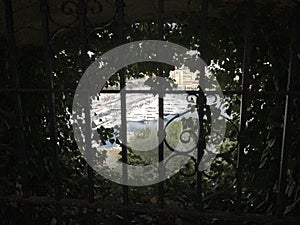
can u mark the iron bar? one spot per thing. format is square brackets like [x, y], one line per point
[82, 14]
[125, 206]
[13, 69]
[121, 24]
[44, 6]
[200, 104]
[145, 208]
[294, 68]
[203, 37]
[243, 106]
[161, 125]
[250, 93]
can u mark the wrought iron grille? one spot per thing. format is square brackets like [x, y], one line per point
[127, 209]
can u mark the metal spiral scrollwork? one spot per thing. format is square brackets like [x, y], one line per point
[73, 10]
[190, 98]
[195, 166]
[96, 7]
[189, 133]
[103, 25]
[69, 7]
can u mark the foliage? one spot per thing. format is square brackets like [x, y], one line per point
[263, 138]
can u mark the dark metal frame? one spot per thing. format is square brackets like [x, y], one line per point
[91, 204]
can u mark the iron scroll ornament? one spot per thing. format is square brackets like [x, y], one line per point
[94, 80]
[73, 10]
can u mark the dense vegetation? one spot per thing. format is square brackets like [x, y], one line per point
[263, 137]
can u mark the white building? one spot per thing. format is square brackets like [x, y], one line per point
[185, 79]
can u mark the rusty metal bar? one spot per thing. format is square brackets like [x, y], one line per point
[294, 69]
[243, 106]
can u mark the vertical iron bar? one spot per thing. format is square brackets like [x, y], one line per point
[82, 13]
[200, 103]
[203, 37]
[121, 23]
[161, 130]
[44, 7]
[201, 141]
[294, 69]
[13, 67]
[200, 148]
[48, 70]
[243, 106]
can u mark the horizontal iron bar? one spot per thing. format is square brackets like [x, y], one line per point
[144, 208]
[225, 92]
